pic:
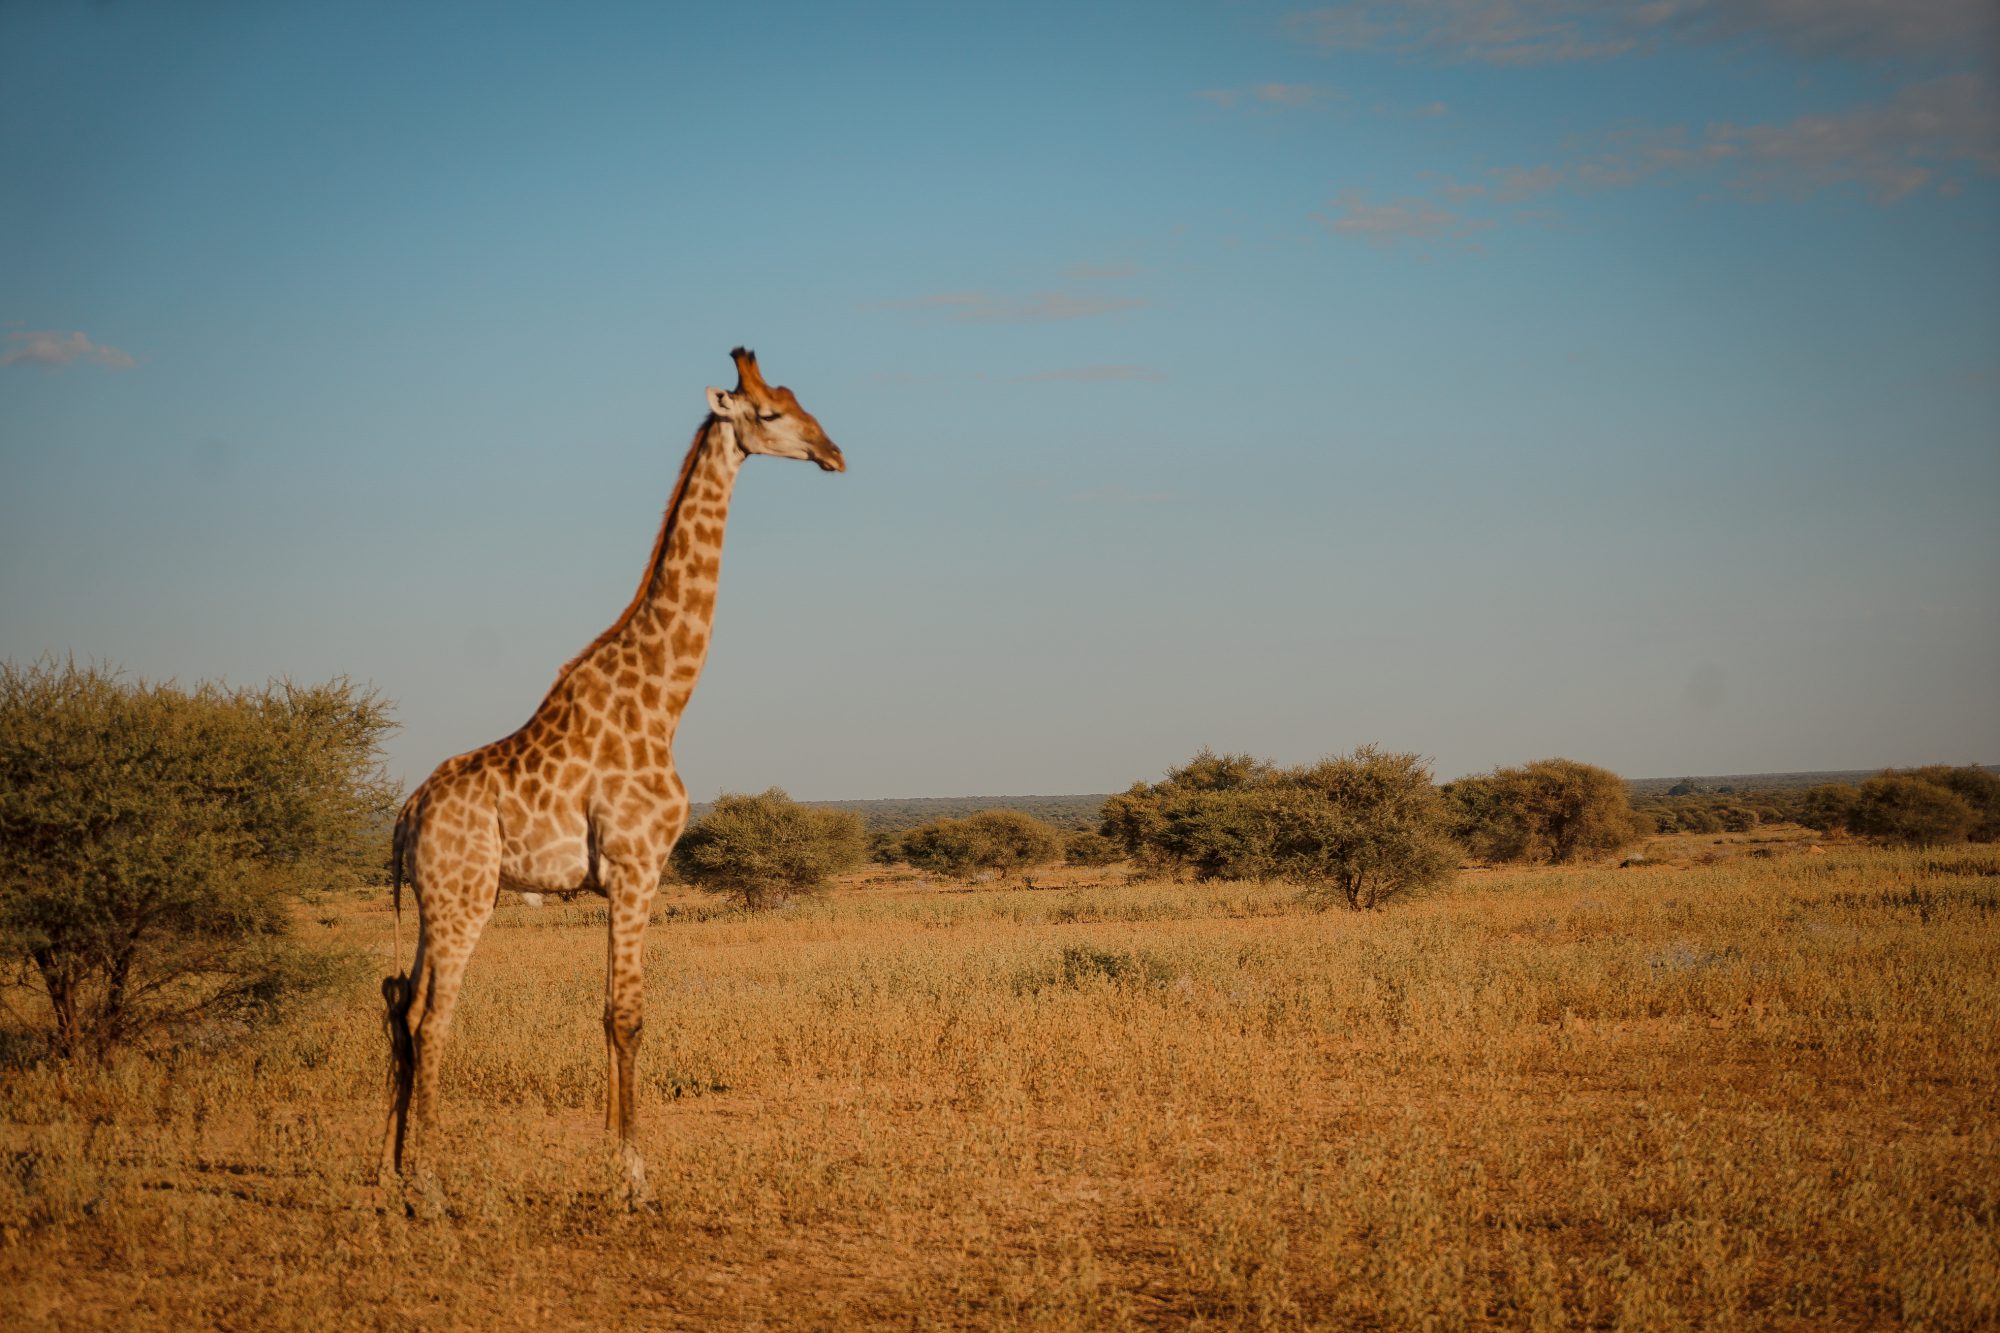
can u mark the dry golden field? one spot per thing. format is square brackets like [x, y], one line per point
[1752, 1086]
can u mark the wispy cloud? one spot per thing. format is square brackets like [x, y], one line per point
[1504, 185]
[1930, 135]
[1496, 32]
[1090, 375]
[1539, 32]
[1869, 29]
[981, 307]
[53, 351]
[1891, 149]
[1292, 95]
[1352, 213]
[1513, 184]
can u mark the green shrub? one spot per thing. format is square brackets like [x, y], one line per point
[998, 840]
[885, 847]
[1222, 834]
[1361, 829]
[1137, 817]
[1738, 819]
[1977, 788]
[764, 849]
[1825, 807]
[153, 839]
[1085, 847]
[1553, 810]
[1357, 829]
[1904, 808]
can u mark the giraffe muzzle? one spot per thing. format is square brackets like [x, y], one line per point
[829, 457]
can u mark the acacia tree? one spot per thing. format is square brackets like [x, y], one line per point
[1978, 788]
[1138, 818]
[1826, 807]
[766, 848]
[1552, 810]
[1087, 847]
[153, 837]
[1357, 829]
[1363, 828]
[998, 840]
[1907, 808]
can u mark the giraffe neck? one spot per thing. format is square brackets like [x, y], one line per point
[678, 595]
[651, 658]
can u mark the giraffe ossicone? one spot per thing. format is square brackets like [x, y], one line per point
[584, 796]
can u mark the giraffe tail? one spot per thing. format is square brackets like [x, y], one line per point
[398, 847]
[397, 990]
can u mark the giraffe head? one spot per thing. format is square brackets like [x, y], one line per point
[769, 420]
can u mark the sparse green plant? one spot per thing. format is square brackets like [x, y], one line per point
[764, 849]
[1081, 965]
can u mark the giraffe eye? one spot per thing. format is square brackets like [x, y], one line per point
[769, 416]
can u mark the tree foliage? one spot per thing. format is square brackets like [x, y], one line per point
[1002, 841]
[1357, 829]
[766, 848]
[1978, 788]
[1363, 828]
[1088, 847]
[1136, 818]
[1826, 807]
[1552, 810]
[152, 837]
[1907, 808]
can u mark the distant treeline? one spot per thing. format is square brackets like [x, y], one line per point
[907, 812]
[1750, 783]
[1086, 811]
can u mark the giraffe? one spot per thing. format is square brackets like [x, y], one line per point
[584, 796]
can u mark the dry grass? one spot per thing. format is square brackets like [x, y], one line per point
[1758, 1093]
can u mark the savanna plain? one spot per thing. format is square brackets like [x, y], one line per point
[1749, 1082]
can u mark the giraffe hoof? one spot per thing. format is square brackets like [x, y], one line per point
[637, 1193]
[638, 1196]
[423, 1201]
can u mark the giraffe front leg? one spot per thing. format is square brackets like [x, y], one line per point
[631, 894]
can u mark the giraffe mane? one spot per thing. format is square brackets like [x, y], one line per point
[652, 565]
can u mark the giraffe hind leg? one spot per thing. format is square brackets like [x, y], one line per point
[432, 1007]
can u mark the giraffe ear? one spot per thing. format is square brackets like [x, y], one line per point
[719, 402]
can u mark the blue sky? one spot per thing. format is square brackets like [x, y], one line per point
[1488, 378]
